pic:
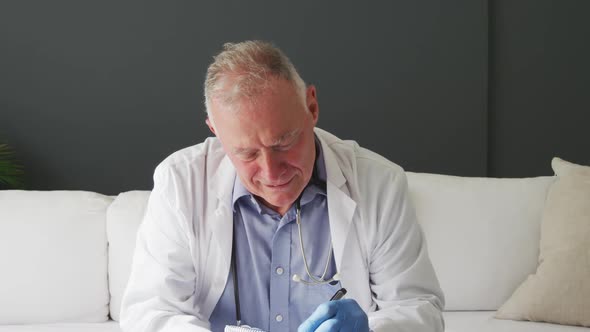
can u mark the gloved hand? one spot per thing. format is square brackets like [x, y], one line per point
[333, 316]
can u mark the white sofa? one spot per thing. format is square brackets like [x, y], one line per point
[66, 254]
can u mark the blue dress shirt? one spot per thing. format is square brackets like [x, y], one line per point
[268, 255]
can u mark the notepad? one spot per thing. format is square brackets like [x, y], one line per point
[241, 328]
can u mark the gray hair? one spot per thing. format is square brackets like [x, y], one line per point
[250, 65]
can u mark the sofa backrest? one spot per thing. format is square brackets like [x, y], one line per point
[482, 234]
[123, 218]
[53, 254]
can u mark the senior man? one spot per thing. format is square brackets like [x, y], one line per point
[262, 224]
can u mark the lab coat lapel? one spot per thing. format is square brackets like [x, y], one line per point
[341, 210]
[221, 186]
[341, 206]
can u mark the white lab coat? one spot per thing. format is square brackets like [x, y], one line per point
[183, 250]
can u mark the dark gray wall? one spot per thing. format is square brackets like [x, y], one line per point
[94, 94]
[539, 85]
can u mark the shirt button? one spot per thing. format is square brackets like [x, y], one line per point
[279, 270]
[279, 318]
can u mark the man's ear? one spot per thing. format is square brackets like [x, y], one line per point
[312, 103]
[210, 125]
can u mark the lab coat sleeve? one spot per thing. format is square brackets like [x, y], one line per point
[161, 288]
[403, 282]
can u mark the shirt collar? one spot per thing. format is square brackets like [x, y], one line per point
[317, 184]
[315, 187]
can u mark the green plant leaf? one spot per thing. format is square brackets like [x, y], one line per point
[11, 171]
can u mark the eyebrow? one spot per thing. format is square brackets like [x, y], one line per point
[276, 143]
[285, 137]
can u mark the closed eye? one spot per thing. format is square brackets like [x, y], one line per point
[247, 155]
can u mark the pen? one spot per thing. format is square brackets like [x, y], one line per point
[339, 294]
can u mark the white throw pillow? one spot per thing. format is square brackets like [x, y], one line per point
[482, 234]
[53, 251]
[559, 291]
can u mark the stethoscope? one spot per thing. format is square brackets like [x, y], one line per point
[312, 281]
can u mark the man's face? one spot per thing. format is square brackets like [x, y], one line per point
[270, 141]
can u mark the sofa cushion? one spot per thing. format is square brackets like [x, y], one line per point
[109, 326]
[484, 321]
[482, 234]
[123, 218]
[54, 257]
[559, 291]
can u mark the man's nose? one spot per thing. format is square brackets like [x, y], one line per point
[272, 166]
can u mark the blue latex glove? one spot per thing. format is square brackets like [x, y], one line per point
[333, 316]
